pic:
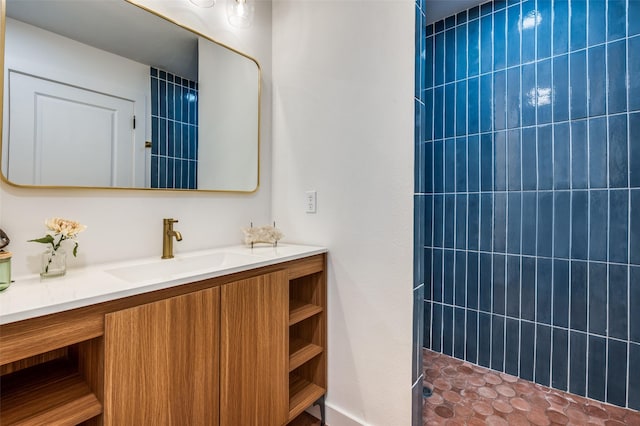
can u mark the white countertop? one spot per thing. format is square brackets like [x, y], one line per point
[30, 296]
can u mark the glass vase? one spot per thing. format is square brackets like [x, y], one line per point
[54, 263]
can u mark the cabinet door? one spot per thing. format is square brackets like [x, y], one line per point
[161, 362]
[254, 351]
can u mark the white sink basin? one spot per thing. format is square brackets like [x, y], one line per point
[179, 267]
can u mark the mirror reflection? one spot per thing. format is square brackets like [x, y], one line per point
[106, 94]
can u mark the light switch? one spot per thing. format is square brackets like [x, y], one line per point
[310, 201]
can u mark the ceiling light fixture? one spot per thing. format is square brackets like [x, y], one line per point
[240, 12]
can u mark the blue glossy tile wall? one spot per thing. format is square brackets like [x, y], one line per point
[528, 196]
[174, 131]
[421, 307]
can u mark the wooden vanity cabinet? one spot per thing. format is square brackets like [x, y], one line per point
[246, 349]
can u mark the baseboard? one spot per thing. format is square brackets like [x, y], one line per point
[337, 417]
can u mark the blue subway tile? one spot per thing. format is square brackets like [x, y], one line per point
[486, 103]
[438, 166]
[514, 160]
[473, 112]
[450, 56]
[473, 159]
[560, 359]
[461, 108]
[426, 338]
[155, 100]
[579, 224]
[447, 330]
[449, 109]
[474, 13]
[530, 207]
[162, 141]
[500, 222]
[578, 364]
[499, 40]
[528, 288]
[598, 153]
[484, 339]
[543, 290]
[471, 346]
[486, 222]
[499, 100]
[461, 51]
[497, 343]
[513, 286]
[473, 53]
[544, 29]
[634, 70]
[171, 138]
[155, 172]
[447, 276]
[597, 368]
[560, 88]
[633, 16]
[486, 44]
[472, 280]
[512, 340]
[438, 69]
[617, 76]
[461, 165]
[634, 300]
[450, 22]
[170, 173]
[528, 25]
[485, 282]
[543, 355]
[486, 162]
[499, 4]
[170, 101]
[428, 116]
[579, 156]
[486, 8]
[544, 92]
[449, 220]
[597, 80]
[561, 293]
[438, 284]
[461, 17]
[527, 350]
[436, 327]
[561, 224]
[618, 321]
[427, 152]
[529, 159]
[428, 220]
[438, 221]
[545, 224]
[429, 61]
[634, 230]
[578, 315]
[560, 27]
[617, 373]
[449, 165]
[500, 161]
[177, 169]
[155, 135]
[618, 226]
[616, 19]
[597, 22]
[439, 26]
[634, 379]
[529, 94]
[461, 222]
[499, 284]
[578, 84]
[428, 272]
[514, 24]
[513, 97]
[474, 223]
[598, 207]
[514, 222]
[458, 330]
[598, 298]
[162, 109]
[618, 156]
[578, 25]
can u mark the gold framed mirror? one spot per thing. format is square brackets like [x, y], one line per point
[110, 94]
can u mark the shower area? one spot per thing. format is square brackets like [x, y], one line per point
[527, 203]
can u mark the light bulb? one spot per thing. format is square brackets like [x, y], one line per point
[203, 3]
[240, 13]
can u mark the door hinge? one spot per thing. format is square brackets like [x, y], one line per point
[134, 121]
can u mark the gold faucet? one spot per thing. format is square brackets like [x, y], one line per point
[167, 237]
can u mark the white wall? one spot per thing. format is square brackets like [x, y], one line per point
[128, 223]
[343, 125]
